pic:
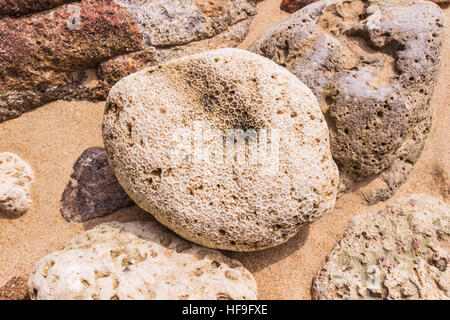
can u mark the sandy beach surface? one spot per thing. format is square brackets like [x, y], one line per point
[53, 136]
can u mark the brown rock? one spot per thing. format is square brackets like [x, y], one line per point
[42, 59]
[57, 54]
[93, 191]
[293, 5]
[21, 7]
[213, 8]
[15, 289]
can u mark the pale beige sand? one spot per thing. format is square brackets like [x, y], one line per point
[52, 137]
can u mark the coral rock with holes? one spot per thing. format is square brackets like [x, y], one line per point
[79, 50]
[22, 7]
[373, 66]
[401, 252]
[16, 177]
[93, 190]
[292, 6]
[139, 261]
[221, 194]
[441, 1]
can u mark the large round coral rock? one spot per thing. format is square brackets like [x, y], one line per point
[226, 148]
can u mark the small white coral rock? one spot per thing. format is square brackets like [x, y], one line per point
[16, 177]
[229, 102]
[138, 260]
[401, 252]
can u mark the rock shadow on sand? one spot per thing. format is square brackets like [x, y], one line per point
[258, 260]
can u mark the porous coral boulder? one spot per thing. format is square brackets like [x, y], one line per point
[401, 252]
[80, 49]
[16, 177]
[138, 260]
[225, 147]
[373, 66]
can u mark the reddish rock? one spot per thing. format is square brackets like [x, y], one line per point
[21, 7]
[213, 8]
[42, 59]
[68, 51]
[119, 67]
[293, 5]
[15, 289]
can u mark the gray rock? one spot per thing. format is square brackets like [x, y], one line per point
[401, 252]
[373, 66]
[93, 190]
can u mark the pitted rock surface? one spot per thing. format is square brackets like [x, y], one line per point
[41, 59]
[93, 190]
[78, 50]
[292, 6]
[401, 252]
[140, 260]
[236, 201]
[16, 177]
[373, 66]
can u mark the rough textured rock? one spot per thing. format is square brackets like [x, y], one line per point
[401, 252]
[42, 59]
[21, 7]
[373, 66]
[58, 54]
[293, 5]
[441, 1]
[93, 190]
[138, 260]
[16, 177]
[237, 203]
[15, 288]
[111, 71]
